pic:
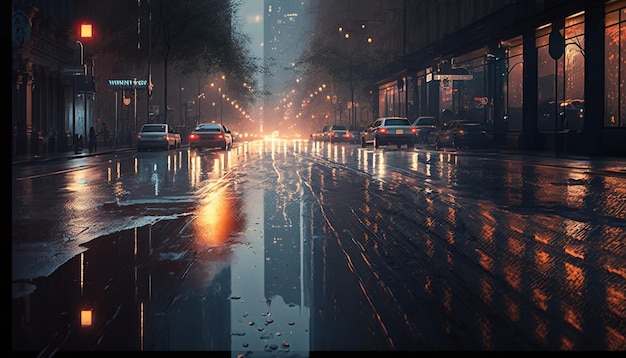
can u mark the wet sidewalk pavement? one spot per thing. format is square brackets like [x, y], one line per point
[30, 158]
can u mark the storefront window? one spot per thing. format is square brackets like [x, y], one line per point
[473, 102]
[514, 88]
[561, 83]
[572, 105]
[546, 110]
[392, 99]
[615, 67]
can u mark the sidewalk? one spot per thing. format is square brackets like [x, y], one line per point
[24, 158]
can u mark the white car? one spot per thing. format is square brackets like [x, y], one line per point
[210, 136]
[397, 131]
[157, 136]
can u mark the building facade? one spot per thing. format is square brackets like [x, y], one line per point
[545, 75]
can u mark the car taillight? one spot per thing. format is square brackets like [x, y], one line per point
[413, 130]
[193, 137]
[382, 130]
[461, 132]
[220, 136]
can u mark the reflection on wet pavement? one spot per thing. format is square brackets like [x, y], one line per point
[290, 247]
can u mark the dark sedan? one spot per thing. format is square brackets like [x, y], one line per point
[460, 133]
[211, 135]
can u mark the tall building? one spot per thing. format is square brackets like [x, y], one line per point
[285, 31]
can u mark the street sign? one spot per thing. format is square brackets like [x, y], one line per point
[74, 70]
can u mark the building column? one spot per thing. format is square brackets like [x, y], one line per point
[24, 98]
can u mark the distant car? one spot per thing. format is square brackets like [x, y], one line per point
[318, 136]
[211, 136]
[461, 133]
[355, 136]
[396, 131]
[424, 126]
[336, 133]
[157, 136]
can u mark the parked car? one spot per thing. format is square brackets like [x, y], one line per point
[389, 131]
[157, 136]
[460, 133]
[211, 136]
[424, 126]
[336, 133]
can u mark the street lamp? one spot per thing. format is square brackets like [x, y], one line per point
[82, 62]
[135, 101]
[201, 96]
[221, 96]
[180, 117]
[86, 31]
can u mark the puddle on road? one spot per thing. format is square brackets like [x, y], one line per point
[226, 278]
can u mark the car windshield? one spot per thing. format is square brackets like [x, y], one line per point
[339, 128]
[208, 129]
[397, 122]
[153, 128]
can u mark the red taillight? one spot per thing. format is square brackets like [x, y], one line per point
[413, 130]
[193, 137]
[220, 136]
[382, 130]
[461, 132]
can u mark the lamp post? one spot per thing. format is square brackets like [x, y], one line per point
[221, 96]
[86, 31]
[201, 96]
[180, 117]
[82, 62]
[135, 101]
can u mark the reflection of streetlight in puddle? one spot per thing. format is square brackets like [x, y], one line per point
[218, 217]
[154, 179]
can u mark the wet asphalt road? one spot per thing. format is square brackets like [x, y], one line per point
[290, 248]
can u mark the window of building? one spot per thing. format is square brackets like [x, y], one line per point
[615, 66]
[561, 82]
[514, 85]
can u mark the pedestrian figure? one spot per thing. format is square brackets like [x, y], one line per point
[93, 142]
[106, 135]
